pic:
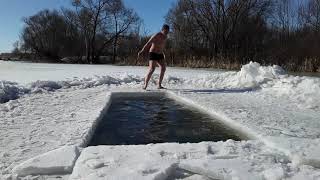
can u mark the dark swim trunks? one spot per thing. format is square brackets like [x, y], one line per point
[155, 56]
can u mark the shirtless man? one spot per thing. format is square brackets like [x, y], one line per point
[156, 55]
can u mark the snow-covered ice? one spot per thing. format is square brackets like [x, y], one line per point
[28, 129]
[247, 160]
[45, 106]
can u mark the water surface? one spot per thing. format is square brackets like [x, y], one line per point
[143, 120]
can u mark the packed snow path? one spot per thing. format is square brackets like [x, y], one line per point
[280, 110]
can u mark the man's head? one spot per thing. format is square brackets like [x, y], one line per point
[165, 29]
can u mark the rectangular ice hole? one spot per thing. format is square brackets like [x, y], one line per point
[143, 118]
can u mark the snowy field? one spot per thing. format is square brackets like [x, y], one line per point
[48, 112]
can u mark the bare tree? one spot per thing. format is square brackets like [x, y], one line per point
[44, 34]
[219, 26]
[311, 14]
[104, 18]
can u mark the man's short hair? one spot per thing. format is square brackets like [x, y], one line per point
[165, 26]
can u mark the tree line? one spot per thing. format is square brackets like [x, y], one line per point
[204, 33]
[89, 30]
[229, 33]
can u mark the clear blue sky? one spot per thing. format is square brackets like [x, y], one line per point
[12, 11]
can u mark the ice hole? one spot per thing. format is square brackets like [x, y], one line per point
[143, 118]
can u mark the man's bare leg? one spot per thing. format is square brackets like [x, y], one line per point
[162, 66]
[152, 67]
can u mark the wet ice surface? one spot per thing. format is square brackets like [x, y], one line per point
[156, 119]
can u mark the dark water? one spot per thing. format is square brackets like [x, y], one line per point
[143, 120]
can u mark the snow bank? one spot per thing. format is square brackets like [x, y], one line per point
[252, 76]
[56, 162]
[10, 90]
[305, 91]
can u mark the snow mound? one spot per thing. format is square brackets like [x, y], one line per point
[91, 82]
[10, 90]
[56, 162]
[251, 76]
[40, 86]
[304, 91]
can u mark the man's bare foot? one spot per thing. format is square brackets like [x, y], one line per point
[144, 87]
[160, 87]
